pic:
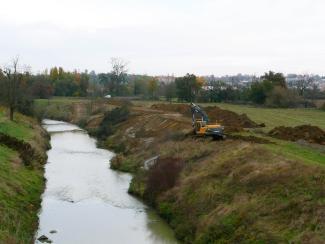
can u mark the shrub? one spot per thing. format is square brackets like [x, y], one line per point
[162, 176]
[323, 106]
[283, 98]
[111, 119]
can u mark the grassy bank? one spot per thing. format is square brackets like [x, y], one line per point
[233, 191]
[21, 186]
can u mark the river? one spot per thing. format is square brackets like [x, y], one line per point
[85, 202]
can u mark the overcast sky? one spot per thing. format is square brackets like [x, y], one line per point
[166, 36]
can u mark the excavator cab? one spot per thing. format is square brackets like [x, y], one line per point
[202, 127]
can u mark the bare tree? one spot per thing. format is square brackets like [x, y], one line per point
[303, 84]
[11, 80]
[119, 66]
[118, 74]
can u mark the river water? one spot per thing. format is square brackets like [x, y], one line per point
[85, 202]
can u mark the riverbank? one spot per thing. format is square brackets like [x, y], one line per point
[242, 189]
[23, 145]
[232, 191]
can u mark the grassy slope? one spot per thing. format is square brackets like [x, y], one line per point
[232, 191]
[243, 193]
[20, 186]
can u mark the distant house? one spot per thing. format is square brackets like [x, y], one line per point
[207, 88]
[108, 96]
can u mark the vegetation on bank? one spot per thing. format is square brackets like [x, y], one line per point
[248, 191]
[21, 183]
[234, 191]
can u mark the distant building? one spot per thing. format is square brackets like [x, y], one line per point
[207, 88]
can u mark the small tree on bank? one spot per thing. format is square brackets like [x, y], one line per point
[10, 86]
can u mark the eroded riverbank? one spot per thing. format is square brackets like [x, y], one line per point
[85, 201]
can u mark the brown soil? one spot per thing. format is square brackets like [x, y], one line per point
[312, 134]
[232, 121]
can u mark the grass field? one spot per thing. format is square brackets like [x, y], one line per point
[278, 117]
[20, 186]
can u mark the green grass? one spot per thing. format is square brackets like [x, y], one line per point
[19, 198]
[16, 128]
[60, 100]
[278, 117]
[298, 152]
[20, 186]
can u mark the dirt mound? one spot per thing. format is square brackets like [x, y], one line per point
[312, 134]
[232, 121]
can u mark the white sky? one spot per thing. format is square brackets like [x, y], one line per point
[166, 36]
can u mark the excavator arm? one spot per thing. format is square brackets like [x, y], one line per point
[196, 109]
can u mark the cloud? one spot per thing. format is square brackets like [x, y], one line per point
[160, 37]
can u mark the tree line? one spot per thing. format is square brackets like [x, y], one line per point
[18, 87]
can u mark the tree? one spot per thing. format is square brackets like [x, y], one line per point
[276, 79]
[10, 80]
[303, 84]
[187, 87]
[260, 90]
[42, 89]
[152, 88]
[118, 74]
[282, 98]
[170, 91]
[54, 73]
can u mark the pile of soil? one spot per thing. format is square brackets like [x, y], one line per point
[312, 134]
[232, 121]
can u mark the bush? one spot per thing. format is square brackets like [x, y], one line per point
[162, 176]
[283, 98]
[323, 106]
[111, 119]
[25, 105]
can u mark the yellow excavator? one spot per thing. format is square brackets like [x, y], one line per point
[201, 125]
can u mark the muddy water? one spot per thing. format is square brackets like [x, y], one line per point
[85, 201]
